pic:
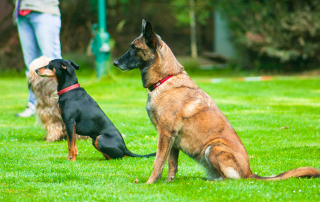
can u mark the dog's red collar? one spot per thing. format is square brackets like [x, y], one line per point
[154, 86]
[74, 86]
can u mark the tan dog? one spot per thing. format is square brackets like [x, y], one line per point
[47, 102]
[187, 118]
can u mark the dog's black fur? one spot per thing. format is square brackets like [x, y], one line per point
[80, 112]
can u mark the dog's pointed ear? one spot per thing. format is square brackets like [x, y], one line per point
[67, 65]
[143, 26]
[149, 35]
[75, 65]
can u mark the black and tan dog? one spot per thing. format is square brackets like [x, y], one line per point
[186, 117]
[82, 115]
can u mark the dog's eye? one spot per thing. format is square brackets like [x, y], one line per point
[134, 48]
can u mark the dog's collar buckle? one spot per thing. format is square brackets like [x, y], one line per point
[74, 86]
[55, 95]
[156, 85]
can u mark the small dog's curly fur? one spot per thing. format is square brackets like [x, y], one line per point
[47, 110]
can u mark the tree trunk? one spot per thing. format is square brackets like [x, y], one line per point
[193, 35]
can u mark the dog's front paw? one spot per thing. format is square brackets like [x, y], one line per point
[170, 178]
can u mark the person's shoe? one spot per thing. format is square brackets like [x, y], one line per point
[29, 111]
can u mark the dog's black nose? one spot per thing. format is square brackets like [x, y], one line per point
[116, 63]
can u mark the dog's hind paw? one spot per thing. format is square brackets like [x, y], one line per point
[73, 158]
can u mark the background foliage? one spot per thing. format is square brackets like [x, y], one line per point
[284, 33]
[124, 19]
[267, 34]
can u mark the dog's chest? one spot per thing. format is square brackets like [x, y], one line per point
[160, 107]
[151, 109]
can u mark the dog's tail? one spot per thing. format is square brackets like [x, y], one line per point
[307, 172]
[129, 153]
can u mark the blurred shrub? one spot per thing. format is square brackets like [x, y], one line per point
[275, 34]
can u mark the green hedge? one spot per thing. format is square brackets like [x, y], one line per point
[285, 33]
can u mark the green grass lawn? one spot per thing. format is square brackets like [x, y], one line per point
[34, 170]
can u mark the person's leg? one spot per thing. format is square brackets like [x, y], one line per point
[30, 51]
[47, 29]
[39, 35]
[28, 41]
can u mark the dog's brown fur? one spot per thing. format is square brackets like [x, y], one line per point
[47, 111]
[187, 118]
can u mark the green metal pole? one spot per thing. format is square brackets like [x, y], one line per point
[100, 45]
[102, 15]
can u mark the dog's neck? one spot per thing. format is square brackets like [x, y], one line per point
[165, 65]
[67, 81]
